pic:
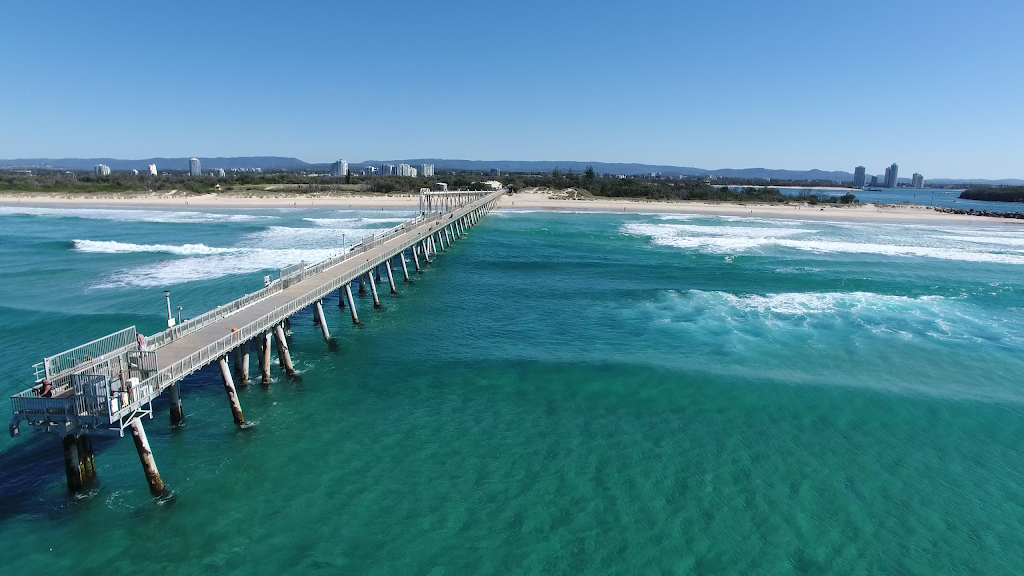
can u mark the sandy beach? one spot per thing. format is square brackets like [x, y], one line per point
[519, 201]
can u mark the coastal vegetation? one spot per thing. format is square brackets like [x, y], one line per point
[586, 184]
[994, 193]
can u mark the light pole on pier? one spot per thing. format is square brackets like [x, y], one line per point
[170, 319]
[179, 314]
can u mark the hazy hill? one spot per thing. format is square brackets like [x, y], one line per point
[264, 162]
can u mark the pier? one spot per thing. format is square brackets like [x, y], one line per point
[107, 386]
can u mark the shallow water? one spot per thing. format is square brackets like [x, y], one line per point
[559, 393]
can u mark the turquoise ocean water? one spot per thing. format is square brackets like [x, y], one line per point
[560, 393]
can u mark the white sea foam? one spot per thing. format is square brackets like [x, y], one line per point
[178, 271]
[112, 247]
[866, 240]
[130, 215]
[808, 303]
[285, 237]
[377, 223]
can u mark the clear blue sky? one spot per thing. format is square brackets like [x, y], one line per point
[937, 86]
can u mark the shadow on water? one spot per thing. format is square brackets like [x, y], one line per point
[32, 472]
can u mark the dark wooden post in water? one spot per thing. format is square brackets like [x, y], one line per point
[174, 395]
[229, 388]
[156, 484]
[79, 464]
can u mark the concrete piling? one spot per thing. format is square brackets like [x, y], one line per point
[174, 395]
[426, 251]
[362, 286]
[391, 278]
[263, 355]
[341, 298]
[405, 268]
[284, 357]
[79, 465]
[351, 303]
[416, 259]
[377, 270]
[156, 483]
[323, 321]
[373, 288]
[240, 355]
[229, 388]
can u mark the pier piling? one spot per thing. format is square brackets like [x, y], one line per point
[263, 355]
[362, 286]
[391, 278]
[156, 483]
[79, 464]
[323, 321]
[416, 259]
[351, 303]
[373, 288]
[405, 268]
[284, 357]
[174, 396]
[229, 388]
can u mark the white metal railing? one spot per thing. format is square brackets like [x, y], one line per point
[75, 357]
[89, 403]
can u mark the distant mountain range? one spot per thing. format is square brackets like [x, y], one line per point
[264, 162]
[287, 163]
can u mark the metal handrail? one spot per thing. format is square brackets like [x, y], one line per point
[67, 410]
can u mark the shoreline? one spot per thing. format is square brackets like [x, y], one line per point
[907, 213]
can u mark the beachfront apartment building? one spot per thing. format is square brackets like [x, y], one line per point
[339, 168]
[858, 177]
[917, 181]
[892, 176]
[152, 169]
[194, 167]
[102, 169]
[388, 170]
[426, 169]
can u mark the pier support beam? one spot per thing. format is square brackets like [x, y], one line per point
[174, 395]
[241, 359]
[229, 388]
[405, 268]
[362, 286]
[323, 321]
[263, 355]
[376, 269]
[156, 484]
[341, 298]
[391, 278]
[416, 259]
[283, 356]
[426, 251]
[373, 288]
[78, 461]
[351, 303]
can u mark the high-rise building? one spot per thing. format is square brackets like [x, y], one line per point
[404, 170]
[339, 168]
[858, 177]
[219, 173]
[495, 172]
[102, 169]
[194, 168]
[892, 176]
[135, 172]
[426, 169]
[152, 169]
[874, 181]
[388, 170]
[917, 181]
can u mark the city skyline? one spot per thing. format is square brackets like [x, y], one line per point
[795, 114]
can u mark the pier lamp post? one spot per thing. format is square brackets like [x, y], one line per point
[167, 298]
[179, 314]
